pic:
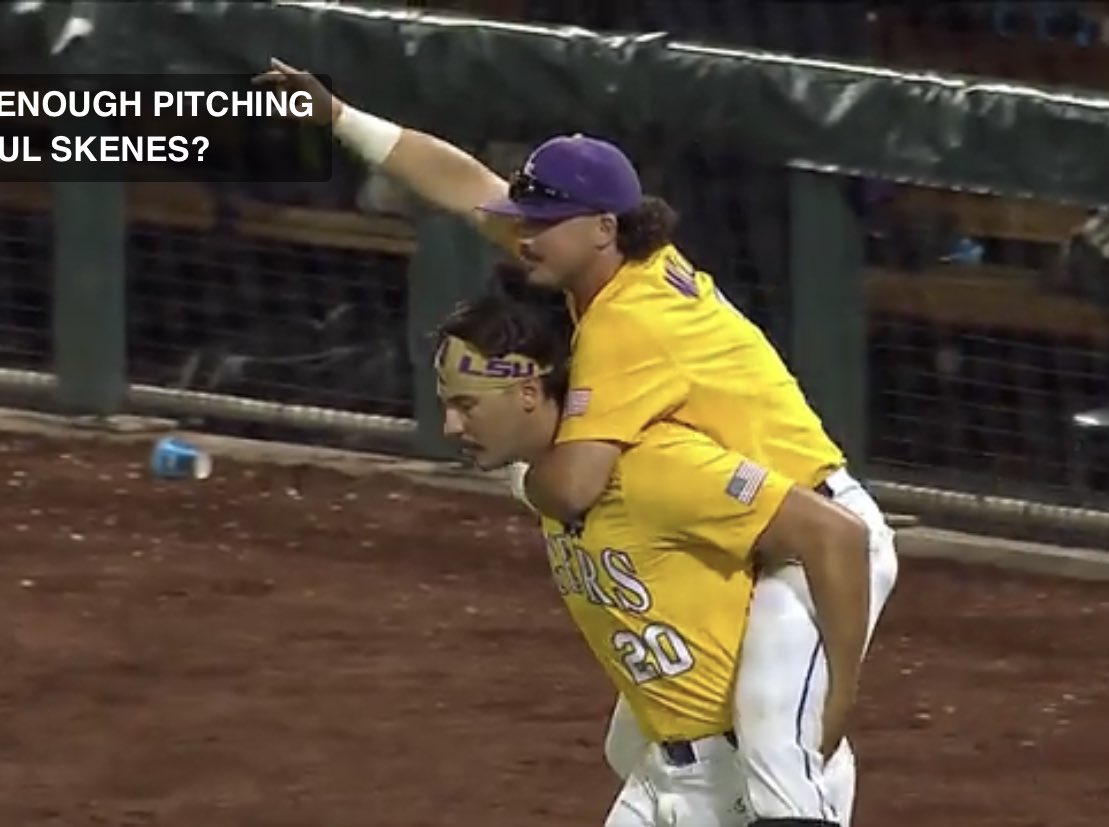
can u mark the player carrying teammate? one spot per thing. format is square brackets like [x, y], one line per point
[657, 574]
[656, 341]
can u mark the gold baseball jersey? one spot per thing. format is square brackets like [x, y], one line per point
[661, 342]
[658, 576]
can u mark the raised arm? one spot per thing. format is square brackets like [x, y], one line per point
[437, 171]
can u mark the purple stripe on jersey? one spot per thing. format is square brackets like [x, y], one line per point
[681, 280]
[686, 288]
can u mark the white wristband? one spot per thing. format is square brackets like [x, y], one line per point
[371, 137]
[517, 472]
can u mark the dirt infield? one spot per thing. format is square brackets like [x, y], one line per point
[280, 647]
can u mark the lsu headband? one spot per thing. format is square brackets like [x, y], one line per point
[463, 370]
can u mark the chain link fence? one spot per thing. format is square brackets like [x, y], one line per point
[243, 315]
[284, 304]
[25, 278]
[989, 342]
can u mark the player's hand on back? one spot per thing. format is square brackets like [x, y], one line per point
[325, 106]
[838, 708]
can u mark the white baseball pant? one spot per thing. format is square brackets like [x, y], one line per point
[703, 791]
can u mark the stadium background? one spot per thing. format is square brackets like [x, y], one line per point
[955, 337]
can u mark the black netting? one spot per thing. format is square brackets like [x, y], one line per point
[988, 335]
[25, 288]
[289, 321]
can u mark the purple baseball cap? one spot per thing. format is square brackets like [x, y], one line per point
[571, 176]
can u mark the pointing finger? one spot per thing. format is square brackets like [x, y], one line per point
[283, 68]
[268, 77]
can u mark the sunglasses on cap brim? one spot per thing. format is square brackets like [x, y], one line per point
[524, 187]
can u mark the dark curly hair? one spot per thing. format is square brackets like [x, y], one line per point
[498, 324]
[646, 229]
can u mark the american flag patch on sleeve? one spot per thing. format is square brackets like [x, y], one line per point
[577, 400]
[746, 482]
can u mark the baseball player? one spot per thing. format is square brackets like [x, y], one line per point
[655, 340]
[655, 572]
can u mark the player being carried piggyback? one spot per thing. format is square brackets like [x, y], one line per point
[664, 370]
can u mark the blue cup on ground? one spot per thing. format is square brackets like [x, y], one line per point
[176, 459]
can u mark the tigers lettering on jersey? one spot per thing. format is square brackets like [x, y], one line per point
[610, 580]
[657, 576]
[607, 579]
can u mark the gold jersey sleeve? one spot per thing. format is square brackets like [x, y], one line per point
[622, 380]
[661, 342]
[685, 490]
